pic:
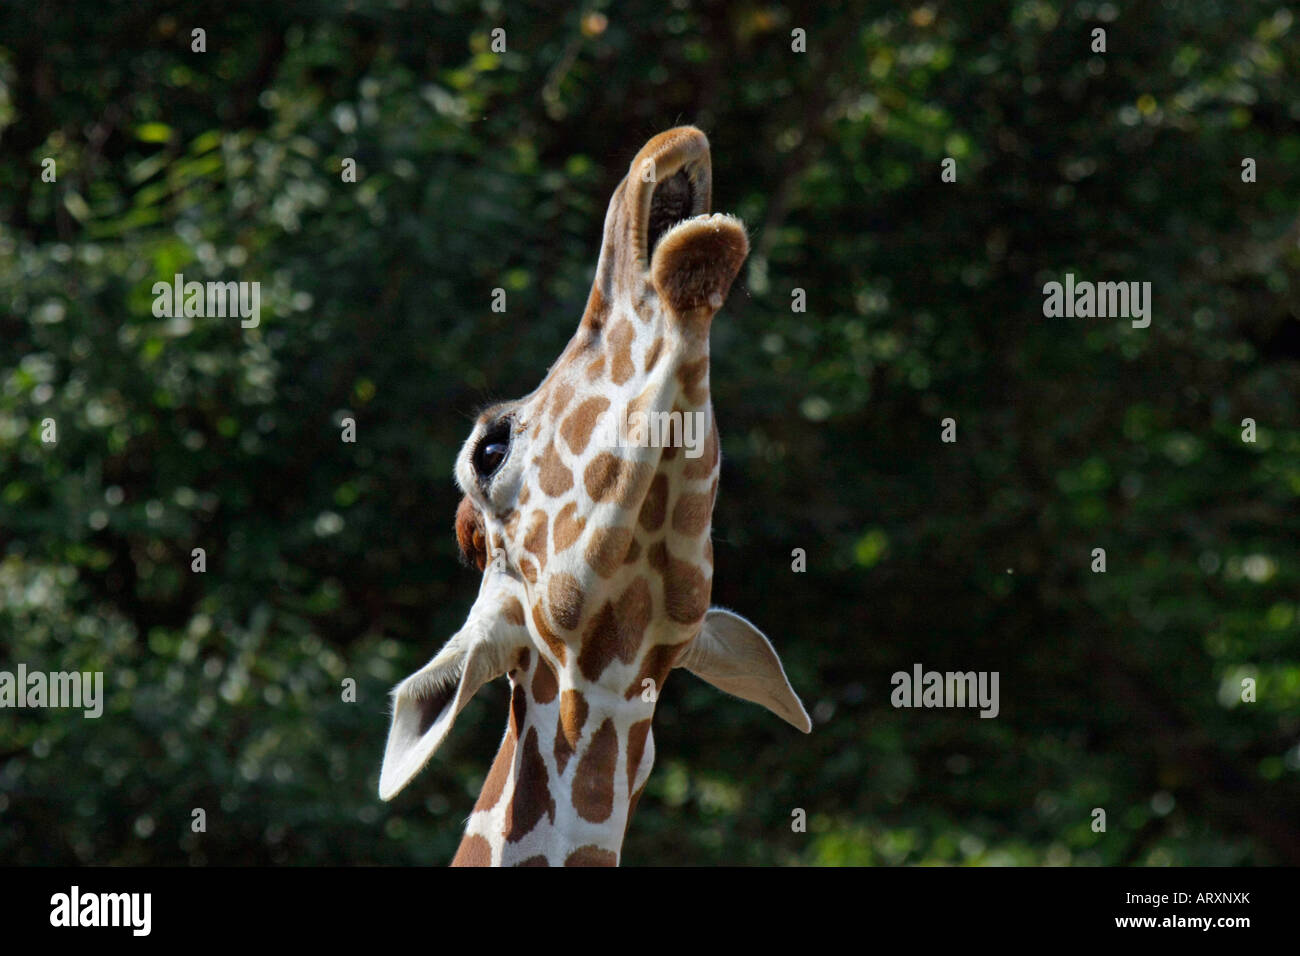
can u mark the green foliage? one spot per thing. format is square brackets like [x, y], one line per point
[479, 170]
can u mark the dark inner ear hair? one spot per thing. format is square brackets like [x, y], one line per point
[431, 707]
[471, 536]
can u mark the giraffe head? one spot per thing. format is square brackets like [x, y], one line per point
[588, 506]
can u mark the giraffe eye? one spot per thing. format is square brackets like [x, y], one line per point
[492, 449]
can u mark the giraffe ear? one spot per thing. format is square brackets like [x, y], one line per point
[425, 705]
[696, 261]
[734, 656]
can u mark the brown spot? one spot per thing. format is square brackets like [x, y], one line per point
[560, 399]
[641, 404]
[554, 643]
[529, 570]
[538, 860]
[693, 376]
[658, 662]
[606, 548]
[655, 504]
[591, 856]
[601, 476]
[511, 525]
[577, 428]
[686, 592]
[692, 512]
[471, 535]
[568, 727]
[653, 352]
[473, 851]
[500, 772]
[617, 630]
[523, 659]
[567, 528]
[513, 611]
[593, 783]
[518, 709]
[565, 594]
[597, 309]
[600, 642]
[657, 556]
[620, 346]
[633, 552]
[633, 613]
[524, 494]
[595, 369]
[535, 538]
[610, 478]
[554, 478]
[532, 799]
[636, 737]
[644, 307]
[708, 551]
[703, 466]
[545, 684]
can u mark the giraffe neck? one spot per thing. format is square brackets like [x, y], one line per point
[566, 777]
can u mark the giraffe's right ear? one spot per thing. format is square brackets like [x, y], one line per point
[425, 705]
[734, 656]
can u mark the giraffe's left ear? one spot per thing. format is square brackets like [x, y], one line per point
[425, 705]
[734, 656]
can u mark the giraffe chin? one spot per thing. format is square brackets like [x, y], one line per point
[696, 261]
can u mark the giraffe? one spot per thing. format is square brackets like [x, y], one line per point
[595, 553]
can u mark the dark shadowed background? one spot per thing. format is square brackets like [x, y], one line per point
[479, 170]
